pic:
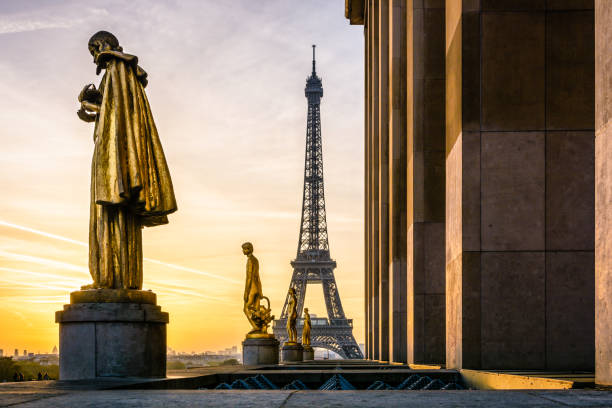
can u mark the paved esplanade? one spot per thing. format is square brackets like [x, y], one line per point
[313, 263]
[46, 395]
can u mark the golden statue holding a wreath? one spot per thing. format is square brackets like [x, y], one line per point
[258, 315]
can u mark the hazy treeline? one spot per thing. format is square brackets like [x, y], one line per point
[29, 369]
[180, 365]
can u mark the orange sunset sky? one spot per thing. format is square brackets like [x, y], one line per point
[226, 86]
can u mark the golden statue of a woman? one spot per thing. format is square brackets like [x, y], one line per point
[130, 180]
[306, 329]
[291, 317]
[258, 315]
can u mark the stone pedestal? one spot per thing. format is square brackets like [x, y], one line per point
[112, 333]
[308, 353]
[292, 353]
[262, 351]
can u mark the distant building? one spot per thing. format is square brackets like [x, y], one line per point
[54, 351]
[234, 350]
[25, 353]
[1, 353]
[16, 353]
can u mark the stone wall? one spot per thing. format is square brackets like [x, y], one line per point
[520, 185]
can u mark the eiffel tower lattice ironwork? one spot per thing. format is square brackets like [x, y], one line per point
[313, 263]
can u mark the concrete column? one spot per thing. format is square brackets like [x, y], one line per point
[374, 190]
[519, 185]
[603, 192]
[425, 184]
[383, 175]
[367, 187]
[397, 180]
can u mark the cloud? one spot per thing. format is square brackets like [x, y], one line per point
[19, 23]
[42, 261]
[7, 27]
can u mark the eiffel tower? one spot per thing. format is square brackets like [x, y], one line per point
[313, 263]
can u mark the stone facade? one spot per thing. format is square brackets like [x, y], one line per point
[480, 181]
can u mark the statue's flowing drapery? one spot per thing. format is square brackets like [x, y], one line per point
[130, 181]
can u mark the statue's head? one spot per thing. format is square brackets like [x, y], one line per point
[247, 248]
[292, 291]
[305, 310]
[102, 41]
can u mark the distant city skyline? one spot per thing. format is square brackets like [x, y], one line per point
[226, 86]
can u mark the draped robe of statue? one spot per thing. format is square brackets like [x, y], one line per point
[130, 181]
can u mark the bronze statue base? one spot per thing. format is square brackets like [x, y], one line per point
[113, 296]
[259, 335]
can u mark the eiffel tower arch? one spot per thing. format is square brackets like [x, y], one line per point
[313, 264]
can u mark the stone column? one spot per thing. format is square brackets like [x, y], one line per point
[425, 183]
[374, 169]
[397, 180]
[383, 175]
[519, 185]
[367, 190]
[603, 192]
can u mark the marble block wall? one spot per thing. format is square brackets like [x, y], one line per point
[520, 184]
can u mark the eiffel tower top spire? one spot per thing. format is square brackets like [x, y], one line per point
[314, 86]
[314, 71]
[313, 243]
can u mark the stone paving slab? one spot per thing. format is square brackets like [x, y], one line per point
[16, 398]
[312, 399]
[165, 398]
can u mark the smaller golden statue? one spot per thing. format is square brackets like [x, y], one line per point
[291, 318]
[258, 315]
[306, 329]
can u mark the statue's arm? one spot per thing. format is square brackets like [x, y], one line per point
[246, 289]
[90, 106]
[255, 274]
[249, 279]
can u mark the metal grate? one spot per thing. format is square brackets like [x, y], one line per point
[338, 382]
